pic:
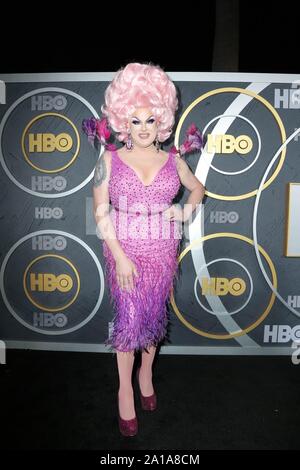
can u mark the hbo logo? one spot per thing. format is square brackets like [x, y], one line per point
[48, 320]
[222, 217]
[228, 144]
[281, 333]
[49, 142]
[222, 286]
[47, 183]
[47, 103]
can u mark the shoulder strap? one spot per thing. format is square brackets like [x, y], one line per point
[114, 160]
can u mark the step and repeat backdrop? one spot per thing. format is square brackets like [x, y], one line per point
[239, 285]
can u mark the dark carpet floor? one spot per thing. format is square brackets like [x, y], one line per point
[63, 400]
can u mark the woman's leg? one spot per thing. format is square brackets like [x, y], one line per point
[145, 375]
[125, 362]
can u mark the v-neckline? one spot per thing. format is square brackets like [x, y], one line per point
[137, 176]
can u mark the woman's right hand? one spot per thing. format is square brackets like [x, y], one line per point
[125, 271]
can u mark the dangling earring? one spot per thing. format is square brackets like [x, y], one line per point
[157, 145]
[129, 143]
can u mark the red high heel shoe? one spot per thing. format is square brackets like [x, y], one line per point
[128, 427]
[148, 403]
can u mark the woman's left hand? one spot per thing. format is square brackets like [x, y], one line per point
[174, 212]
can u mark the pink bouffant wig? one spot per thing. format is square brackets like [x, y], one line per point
[141, 85]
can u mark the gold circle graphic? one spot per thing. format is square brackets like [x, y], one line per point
[24, 149]
[42, 306]
[264, 314]
[268, 106]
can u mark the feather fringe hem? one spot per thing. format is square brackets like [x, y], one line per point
[141, 315]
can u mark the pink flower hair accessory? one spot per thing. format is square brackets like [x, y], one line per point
[97, 130]
[193, 141]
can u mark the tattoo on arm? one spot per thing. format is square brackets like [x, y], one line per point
[100, 172]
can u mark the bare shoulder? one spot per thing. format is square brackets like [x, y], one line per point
[181, 165]
[107, 157]
[102, 169]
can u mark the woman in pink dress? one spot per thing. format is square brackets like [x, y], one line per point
[142, 231]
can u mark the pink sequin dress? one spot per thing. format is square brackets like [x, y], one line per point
[152, 242]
